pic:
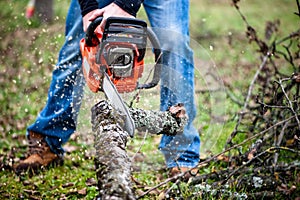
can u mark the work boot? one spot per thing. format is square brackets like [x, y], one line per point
[39, 155]
[177, 170]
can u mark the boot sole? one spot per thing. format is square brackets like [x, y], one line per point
[35, 168]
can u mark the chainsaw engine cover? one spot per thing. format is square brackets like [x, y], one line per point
[119, 52]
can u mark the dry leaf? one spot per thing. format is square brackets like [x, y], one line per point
[82, 191]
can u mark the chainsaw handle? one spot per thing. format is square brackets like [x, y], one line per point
[158, 61]
[91, 38]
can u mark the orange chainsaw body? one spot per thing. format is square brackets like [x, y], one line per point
[96, 58]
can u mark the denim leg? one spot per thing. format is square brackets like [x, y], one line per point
[170, 21]
[57, 121]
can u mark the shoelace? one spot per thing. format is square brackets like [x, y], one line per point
[37, 146]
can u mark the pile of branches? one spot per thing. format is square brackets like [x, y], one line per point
[262, 155]
[267, 162]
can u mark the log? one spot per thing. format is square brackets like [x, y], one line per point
[111, 160]
[170, 122]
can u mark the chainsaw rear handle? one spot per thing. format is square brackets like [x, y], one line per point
[158, 61]
[92, 40]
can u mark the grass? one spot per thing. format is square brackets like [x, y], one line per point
[29, 52]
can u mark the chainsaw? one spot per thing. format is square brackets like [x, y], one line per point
[113, 60]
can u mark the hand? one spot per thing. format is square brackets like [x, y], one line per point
[108, 11]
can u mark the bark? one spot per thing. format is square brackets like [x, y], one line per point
[111, 161]
[170, 122]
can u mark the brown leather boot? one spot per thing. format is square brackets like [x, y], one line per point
[39, 155]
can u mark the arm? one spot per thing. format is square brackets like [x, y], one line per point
[130, 6]
[120, 8]
[87, 6]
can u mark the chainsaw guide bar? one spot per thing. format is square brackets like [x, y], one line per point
[117, 102]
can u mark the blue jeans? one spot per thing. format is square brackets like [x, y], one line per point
[170, 21]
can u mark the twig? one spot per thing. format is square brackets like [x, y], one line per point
[245, 164]
[162, 183]
[290, 103]
[290, 36]
[140, 147]
[259, 169]
[240, 13]
[169, 190]
[233, 98]
[278, 143]
[269, 150]
[272, 106]
[262, 65]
